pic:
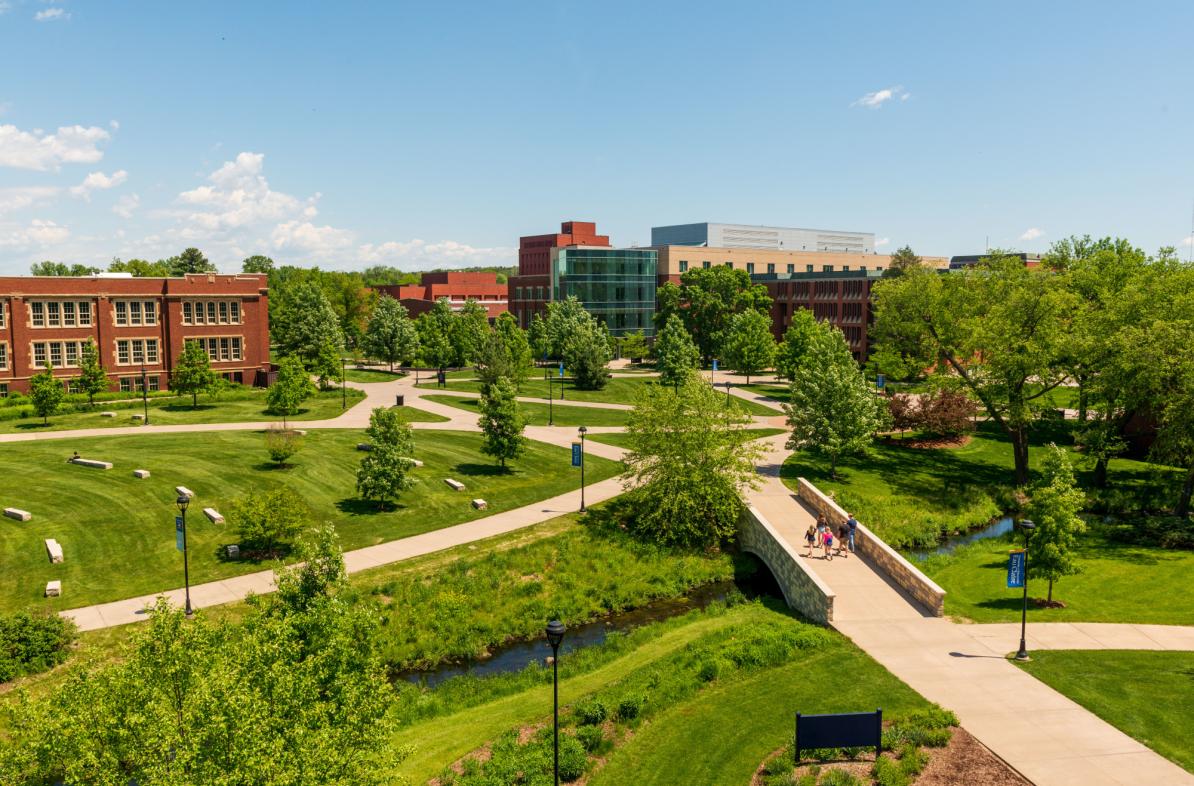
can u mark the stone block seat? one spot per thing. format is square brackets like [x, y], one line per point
[18, 514]
[213, 515]
[93, 463]
[183, 491]
[107, 414]
[455, 484]
[54, 549]
[53, 588]
[141, 473]
[480, 504]
[412, 461]
[365, 446]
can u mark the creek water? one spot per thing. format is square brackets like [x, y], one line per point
[516, 655]
[995, 529]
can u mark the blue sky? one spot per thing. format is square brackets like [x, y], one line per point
[348, 134]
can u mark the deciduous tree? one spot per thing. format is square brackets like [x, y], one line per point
[676, 355]
[191, 260]
[384, 472]
[46, 392]
[92, 378]
[49, 268]
[903, 260]
[586, 354]
[291, 388]
[435, 335]
[391, 336]
[269, 519]
[1054, 508]
[635, 346]
[282, 443]
[307, 324]
[706, 300]
[257, 264]
[794, 345]
[505, 354]
[502, 422]
[749, 347]
[140, 268]
[470, 326]
[192, 373]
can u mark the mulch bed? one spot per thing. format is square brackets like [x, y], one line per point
[924, 444]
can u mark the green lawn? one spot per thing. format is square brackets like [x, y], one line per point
[1147, 695]
[620, 390]
[913, 496]
[562, 415]
[413, 415]
[372, 375]
[777, 391]
[325, 404]
[719, 736]
[117, 531]
[1118, 583]
[623, 440]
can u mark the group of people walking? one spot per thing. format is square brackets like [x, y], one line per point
[820, 535]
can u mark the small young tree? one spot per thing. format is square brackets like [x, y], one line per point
[502, 422]
[537, 337]
[435, 335]
[391, 336]
[327, 366]
[748, 346]
[1054, 508]
[281, 444]
[795, 343]
[470, 325]
[586, 353]
[946, 413]
[384, 472]
[46, 392]
[266, 520]
[635, 346]
[504, 354]
[676, 354]
[292, 387]
[92, 379]
[902, 409]
[690, 457]
[192, 373]
[833, 410]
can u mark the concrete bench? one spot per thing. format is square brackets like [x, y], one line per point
[183, 491]
[141, 473]
[213, 515]
[54, 549]
[18, 514]
[365, 446]
[480, 504]
[107, 414]
[53, 588]
[455, 484]
[138, 416]
[93, 463]
[302, 432]
[415, 462]
[233, 551]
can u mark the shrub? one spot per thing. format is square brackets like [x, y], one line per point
[593, 739]
[630, 706]
[266, 520]
[573, 758]
[281, 444]
[589, 712]
[887, 772]
[913, 760]
[839, 778]
[31, 643]
[929, 727]
[946, 413]
[709, 670]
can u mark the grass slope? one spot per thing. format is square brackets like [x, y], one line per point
[1147, 695]
[117, 531]
[1118, 583]
[623, 440]
[536, 414]
[368, 375]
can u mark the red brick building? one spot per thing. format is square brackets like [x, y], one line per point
[132, 321]
[530, 290]
[843, 299]
[457, 287]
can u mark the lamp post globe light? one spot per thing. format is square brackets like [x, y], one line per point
[555, 635]
[583, 430]
[1027, 527]
[183, 501]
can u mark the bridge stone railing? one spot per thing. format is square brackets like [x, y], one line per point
[802, 590]
[884, 557]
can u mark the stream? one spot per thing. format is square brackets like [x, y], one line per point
[995, 529]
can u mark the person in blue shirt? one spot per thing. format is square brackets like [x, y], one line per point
[852, 526]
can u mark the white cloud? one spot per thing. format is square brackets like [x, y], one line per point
[1032, 233]
[17, 198]
[5, 6]
[883, 241]
[98, 181]
[240, 196]
[38, 233]
[40, 151]
[305, 236]
[417, 254]
[880, 97]
[52, 15]
[1187, 241]
[126, 205]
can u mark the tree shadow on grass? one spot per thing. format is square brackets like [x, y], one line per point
[482, 470]
[355, 506]
[34, 426]
[181, 408]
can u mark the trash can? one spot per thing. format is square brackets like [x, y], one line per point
[401, 400]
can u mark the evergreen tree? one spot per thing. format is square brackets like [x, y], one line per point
[903, 260]
[676, 354]
[257, 264]
[46, 392]
[92, 379]
[190, 260]
[391, 335]
[384, 472]
[502, 422]
[795, 343]
[833, 410]
[1054, 508]
[291, 388]
[192, 373]
[748, 347]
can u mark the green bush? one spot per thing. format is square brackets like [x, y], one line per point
[630, 706]
[837, 777]
[913, 760]
[31, 643]
[929, 727]
[710, 670]
[573, 758]
[887, 772]
[589, 712]
[593, 739]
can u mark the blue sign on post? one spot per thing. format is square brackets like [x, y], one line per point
[1015, 568]
[715, 364]
[880, 380]
[561, 369]
[576, 454]
[178, 537]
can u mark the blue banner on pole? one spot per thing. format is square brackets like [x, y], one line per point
[178, 536]
[1015, 569]
[880, 380]
[715, 364]
[576, 454]
[561, 369]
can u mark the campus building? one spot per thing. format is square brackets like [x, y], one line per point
[616, 285]
[457, 287]
[530, 290]
[135, 323]
[765, 238]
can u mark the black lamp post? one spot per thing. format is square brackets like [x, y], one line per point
[550, 421]
[555, 635]
[583, 430]
[727, 392]
[183, 501]
[1027, 526]
[343, 384]
[144, 394]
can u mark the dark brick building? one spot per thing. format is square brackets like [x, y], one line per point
[530, 290]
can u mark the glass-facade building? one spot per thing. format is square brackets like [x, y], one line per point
[616, 285]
